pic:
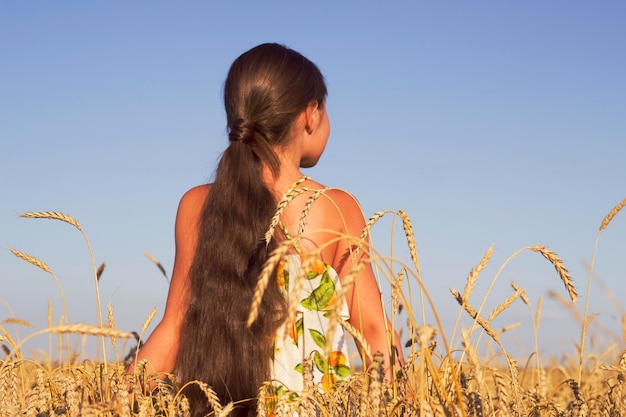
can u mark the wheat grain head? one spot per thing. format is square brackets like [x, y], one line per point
[52, 215]
[607, 219]
[560, 269]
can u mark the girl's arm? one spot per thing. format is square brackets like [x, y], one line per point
[162, 346]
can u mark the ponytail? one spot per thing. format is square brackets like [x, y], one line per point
[266, 88]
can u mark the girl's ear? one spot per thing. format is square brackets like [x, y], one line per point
[311, 116]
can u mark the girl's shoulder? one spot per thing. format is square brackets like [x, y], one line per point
[329, 208]
[335, 199]
[191, 204]
[195, 196]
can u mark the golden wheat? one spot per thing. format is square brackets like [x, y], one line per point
[505, 304]
[290, 195]
[31, 260]
[474, 315]
[369, 224]
[266, 274]
[12, 320]
[473, 275]
[523, 295]
[607, 219]
[307, 207]
[560, 269]
[87, 329]
[148, 320]
[429, 384]
[111, 318]
[52, 215]
[410, 239]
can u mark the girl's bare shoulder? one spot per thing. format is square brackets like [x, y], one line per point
[334, 203]
[196, 194]
[337, 198]
[191, 203]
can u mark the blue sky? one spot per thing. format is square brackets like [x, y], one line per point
[488, 122]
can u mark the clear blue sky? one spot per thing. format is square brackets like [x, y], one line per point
[488, 122]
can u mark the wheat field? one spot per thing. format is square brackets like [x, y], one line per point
[461, 371]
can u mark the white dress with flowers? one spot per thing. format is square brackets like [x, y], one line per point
[308, 336]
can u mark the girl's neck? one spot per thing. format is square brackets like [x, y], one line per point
[285, 179]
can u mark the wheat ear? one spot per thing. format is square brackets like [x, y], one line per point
[473, 275]
[157, 263]
[148, 320]
[111, 318]
[607, 219]
[474, 314]
[560, 269]
[100, 271]
[31, 260]
[307, 207]
[211, 396]
[294, 292]
[279, 211]
[42, 265]
[358, 336]
[346, 284]
[523, 295]
[12, 320]
[72, 221]
[88, 329]
[52, 215]
[505, 304]
[265, 275]
[410, 239]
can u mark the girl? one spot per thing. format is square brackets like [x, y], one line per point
[275, 103]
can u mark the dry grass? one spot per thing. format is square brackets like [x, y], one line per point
[475, 379]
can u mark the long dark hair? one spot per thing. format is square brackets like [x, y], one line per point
[266, 89]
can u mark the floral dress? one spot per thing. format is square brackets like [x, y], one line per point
[308, 336]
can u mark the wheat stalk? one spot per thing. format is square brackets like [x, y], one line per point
[42, 265]
[560, 269]
[72, 221]
[538, 311]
